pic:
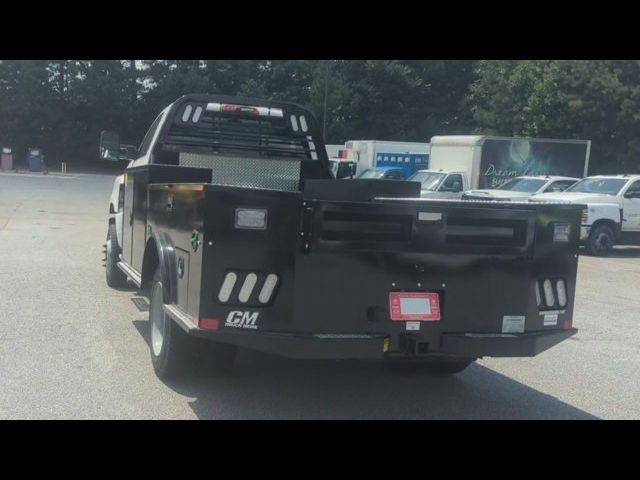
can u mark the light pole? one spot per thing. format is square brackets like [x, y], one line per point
[324, 110]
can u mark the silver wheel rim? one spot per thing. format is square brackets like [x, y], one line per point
[158, 319]
[109, 250]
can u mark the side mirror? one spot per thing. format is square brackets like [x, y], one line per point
[109, 145]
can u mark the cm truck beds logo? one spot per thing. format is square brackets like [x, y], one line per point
[239, 319]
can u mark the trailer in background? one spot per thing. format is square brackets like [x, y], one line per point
[336, 151]
[374, 153]
[491, 161]
[460, 163]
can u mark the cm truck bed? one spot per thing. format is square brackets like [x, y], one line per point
[497, 279]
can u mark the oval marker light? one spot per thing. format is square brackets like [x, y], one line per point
[186, 113]
[247, 287]
[227, 287]
[196, 114]
[303, 123]
[538, 296]
[268, 288]
[548, 293]
[561, 287]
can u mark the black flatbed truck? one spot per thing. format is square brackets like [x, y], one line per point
[234, 227]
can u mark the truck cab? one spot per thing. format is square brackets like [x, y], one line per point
[342, 168]
[612, 213]
[383, 173]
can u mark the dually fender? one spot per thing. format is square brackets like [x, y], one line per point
[160, 253]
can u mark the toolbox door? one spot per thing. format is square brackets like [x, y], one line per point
[127, 220]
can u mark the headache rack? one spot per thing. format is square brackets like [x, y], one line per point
[243, 130]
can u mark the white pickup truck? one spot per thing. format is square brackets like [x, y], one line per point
[521, 188]
[612, 216]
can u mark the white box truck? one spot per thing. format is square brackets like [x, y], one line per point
[333, 151]
[459, 163]
[372, 153]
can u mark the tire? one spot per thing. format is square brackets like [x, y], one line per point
[434, 366]
[601, 241]
[176, 354]
[115, 277]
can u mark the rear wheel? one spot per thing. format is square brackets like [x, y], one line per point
[115, 277]
[601, 240]
[174, 353]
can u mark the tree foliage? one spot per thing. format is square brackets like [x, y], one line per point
[596, 100]
[62, 105]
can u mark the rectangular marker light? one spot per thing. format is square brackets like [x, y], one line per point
[253, 219]
[561, 232]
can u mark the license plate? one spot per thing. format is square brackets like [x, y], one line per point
[414, 306]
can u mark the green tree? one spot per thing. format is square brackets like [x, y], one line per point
[589, 99]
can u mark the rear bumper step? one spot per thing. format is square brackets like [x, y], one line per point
[503, 345]
[371, 346]
[305, 346]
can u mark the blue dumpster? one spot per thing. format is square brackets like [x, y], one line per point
[35, 160]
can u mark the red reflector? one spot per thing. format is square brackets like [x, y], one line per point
[209, 323]
[228, 107]
[567, 324]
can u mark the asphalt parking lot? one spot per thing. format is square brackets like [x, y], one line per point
[70, 347]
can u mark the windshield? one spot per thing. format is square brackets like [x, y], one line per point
[370, 173]
[608, 186]
[429, 180]
[528, 185]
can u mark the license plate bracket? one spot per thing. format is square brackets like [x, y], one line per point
[414, 306]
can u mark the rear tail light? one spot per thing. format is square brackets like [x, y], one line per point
[208, 323]
[247, 287]
[561, 289]
[227, 287]
[585, 216]
[548, 293]
[252, 288]
[551, 293]
[267, 289]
